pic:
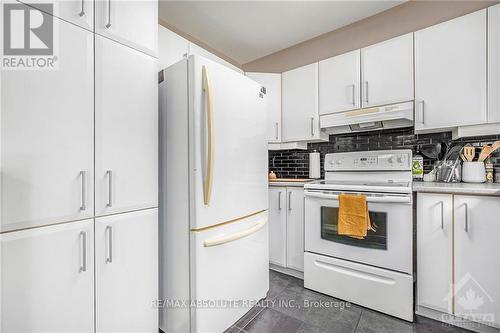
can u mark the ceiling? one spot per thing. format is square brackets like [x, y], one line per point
[248, 30]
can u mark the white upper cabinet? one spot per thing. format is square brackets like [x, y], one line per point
[172, 48]
[195, 49]
[339, 84]
[299, 89]
[476, 236]
[387, 72]
[131, 22]
[494, 64]
[47, 279]
[126, 269]
[272, 83]
[79, 12]
[126, 128]
[47, 131]
[450, 73]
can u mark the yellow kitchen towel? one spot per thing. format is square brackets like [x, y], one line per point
[354, 219]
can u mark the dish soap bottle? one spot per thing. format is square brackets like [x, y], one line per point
[489, 169]
[418, 167]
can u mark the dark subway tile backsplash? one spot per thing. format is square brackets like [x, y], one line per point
[295, 163]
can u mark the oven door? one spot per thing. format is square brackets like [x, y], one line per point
[390, 246]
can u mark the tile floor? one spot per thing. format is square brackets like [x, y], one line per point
[283, 312]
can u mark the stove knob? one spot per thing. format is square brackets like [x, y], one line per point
[391, 159]
[339, 162]
[401, 159]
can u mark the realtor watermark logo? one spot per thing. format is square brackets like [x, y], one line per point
[29, 37]
[471, 302]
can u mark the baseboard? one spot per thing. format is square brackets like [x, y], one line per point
[452, 320]
[287, 271]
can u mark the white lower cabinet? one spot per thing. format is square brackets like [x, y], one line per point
[286, 227]
[47, 279]
[459, 256]
[477, 258]
[277, 226]
[434, 250]
[126, 258]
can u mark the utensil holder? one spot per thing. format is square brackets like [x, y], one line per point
[474, 172]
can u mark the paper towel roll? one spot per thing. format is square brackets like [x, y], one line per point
[314, 165]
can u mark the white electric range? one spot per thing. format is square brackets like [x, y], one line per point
[377, 271]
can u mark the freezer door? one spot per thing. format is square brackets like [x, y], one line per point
[229, 150]
[230, 272]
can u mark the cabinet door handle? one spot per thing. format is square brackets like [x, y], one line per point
[82, 12]
[83, 178]
[279, 200]
[312, 126]
[109, 174]
[422, 112]
[277, 133]
[466, 220]
[109, 232]
[366, 92]
[289, 200]
[108, 25]
[83, 249]
[353, 91]
[441, 203]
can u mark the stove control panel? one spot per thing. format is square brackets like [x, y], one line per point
[369, 160]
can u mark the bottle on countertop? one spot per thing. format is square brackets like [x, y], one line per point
[418, 167]
[489, 169]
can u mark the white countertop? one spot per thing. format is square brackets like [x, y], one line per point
[457, 188]
[284, 183]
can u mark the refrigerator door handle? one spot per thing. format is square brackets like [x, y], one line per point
[207, 184]
[237, 235]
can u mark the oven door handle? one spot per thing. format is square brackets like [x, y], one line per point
[382, 199]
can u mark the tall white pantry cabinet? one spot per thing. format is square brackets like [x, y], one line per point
[78, 190]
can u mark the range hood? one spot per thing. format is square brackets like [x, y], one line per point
[369, 119]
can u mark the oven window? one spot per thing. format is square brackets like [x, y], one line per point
[374, 239]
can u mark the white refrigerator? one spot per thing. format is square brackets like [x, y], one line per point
[213, 196]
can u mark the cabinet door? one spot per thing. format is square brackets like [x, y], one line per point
[477, 258]
[126, 252]
[494, 64]
[126, 128]
[450, 73]
[295, 229]
[272, 83]
[339, 84]
[132, 22]
[47, 279]
[434, 250]
[172, 48]
[300, 103]
[79, 12]
[387, 72]
[277, 226]
[47, 137]
[197, 50]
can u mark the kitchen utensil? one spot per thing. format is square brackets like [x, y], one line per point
[495, 146]
[469, 153]
[431, 151]
[474, 172]
[485, 152]
[463, 157]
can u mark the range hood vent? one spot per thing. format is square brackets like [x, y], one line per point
[370, 119]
